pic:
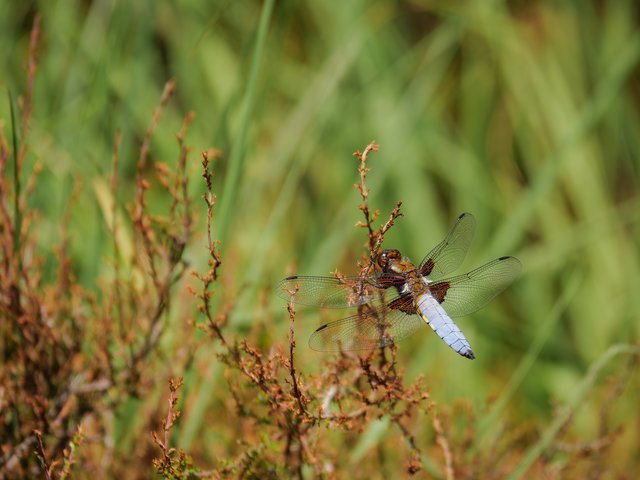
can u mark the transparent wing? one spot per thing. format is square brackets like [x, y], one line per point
[368, 330]
[464, 294]
[334, 292]
[448, 255]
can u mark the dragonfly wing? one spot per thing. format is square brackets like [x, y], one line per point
[465, 294]
[365, 331]
[448, 255]
[334, 292]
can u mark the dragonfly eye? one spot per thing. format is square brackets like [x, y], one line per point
[386, 256]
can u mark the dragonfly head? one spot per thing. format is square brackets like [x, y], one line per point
[388, 256]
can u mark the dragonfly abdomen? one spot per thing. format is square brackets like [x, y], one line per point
[435, 316]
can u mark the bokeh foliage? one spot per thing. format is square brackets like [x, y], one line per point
[524, 113]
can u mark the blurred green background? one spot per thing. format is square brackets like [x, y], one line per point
[524, 113]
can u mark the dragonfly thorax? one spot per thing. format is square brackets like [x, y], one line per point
[415, 284]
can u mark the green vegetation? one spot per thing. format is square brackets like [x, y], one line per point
[526, 114]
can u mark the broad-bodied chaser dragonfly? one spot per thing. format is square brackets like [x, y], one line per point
[394, 303]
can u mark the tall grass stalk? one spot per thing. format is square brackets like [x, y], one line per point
[239, 150]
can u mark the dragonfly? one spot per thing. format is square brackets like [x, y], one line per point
[398, 298]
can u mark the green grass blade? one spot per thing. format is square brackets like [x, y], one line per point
[17, 214]
[237, 158]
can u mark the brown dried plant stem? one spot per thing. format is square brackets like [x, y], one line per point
[141, 218]
[42, 455]
[297, 429]
[442, 441]
[375, 237]
[363, 170]
[215, 260]
[292, 369]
